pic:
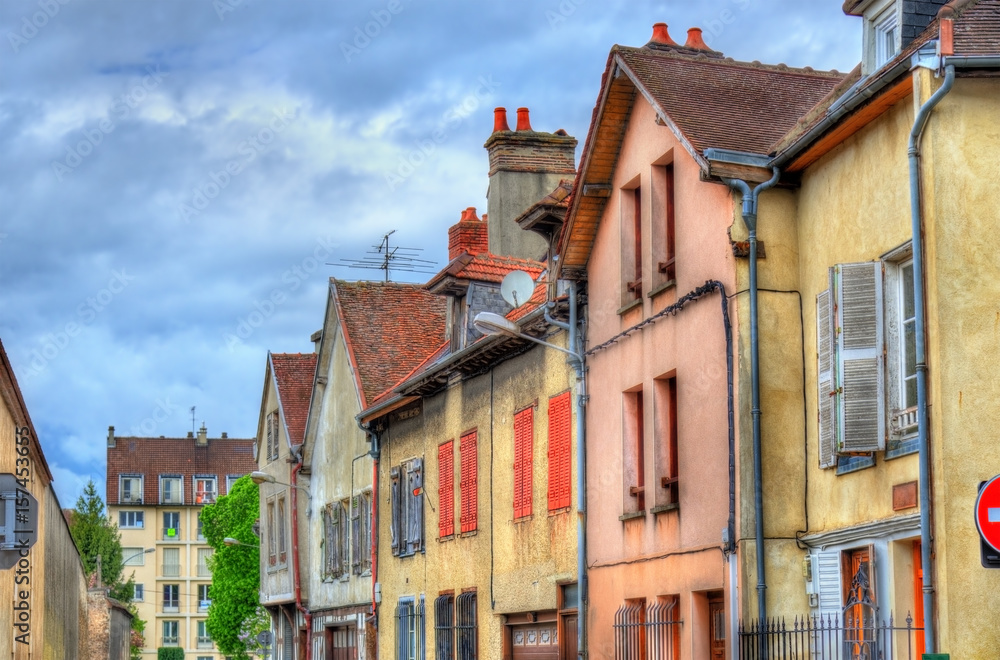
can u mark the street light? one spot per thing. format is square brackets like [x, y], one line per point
[489, 323]
[264, 478]
[230, 541]
[131, 557]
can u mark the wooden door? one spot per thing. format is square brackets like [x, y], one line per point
[568, 645]
[717, 625]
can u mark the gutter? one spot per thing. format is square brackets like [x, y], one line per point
[307, 615]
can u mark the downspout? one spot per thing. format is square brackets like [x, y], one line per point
[576, 360]
[375, 452]
[306, 614]
[750, 220]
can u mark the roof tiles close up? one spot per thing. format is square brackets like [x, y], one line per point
[294, 373]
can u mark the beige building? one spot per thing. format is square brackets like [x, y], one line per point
[156, 488]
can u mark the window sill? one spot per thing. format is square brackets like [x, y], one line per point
[666, 286]
[663, 508]
[445, 539]
[629, 306]
[632, 515]
[848, 464]
[559, 511]
[523, 519]
[468, 534]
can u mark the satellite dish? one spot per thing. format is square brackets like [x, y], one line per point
[517, 288]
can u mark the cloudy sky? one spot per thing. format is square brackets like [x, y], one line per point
[177, 173]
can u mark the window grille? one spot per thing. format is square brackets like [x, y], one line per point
[444, 627]
[466, 626]
[410, 629]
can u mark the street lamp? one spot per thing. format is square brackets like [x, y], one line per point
[489, 323]
[230, 541]
[264, 478]
[131, 557]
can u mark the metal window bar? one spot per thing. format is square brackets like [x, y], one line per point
[465, 626]
[410, 629]
[662, 630]
[444, 627]
[828, 637]
[630, 631]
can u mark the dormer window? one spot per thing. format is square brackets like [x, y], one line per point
[882, 34]
[130, 491]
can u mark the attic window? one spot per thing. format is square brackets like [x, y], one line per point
[886, 29]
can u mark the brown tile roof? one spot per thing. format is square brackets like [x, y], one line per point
[976, 28]
[389, 328]
[152, 457]
[294, 373]
[481, 268]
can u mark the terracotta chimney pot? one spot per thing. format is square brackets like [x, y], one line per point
[469, 214]
[523, 123]
[695, 41]
[661, 36]
[500, 120]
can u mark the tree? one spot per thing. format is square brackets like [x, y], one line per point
[235, 569]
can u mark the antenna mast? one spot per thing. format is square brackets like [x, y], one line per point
[387, 258]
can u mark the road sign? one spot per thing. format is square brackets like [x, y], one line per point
[988, 512]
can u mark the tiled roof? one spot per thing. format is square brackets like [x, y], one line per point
[538, 297]
[152, 457]
[977, 26]
[725, 104]
[294, 372]
[389, 328]
[426, 364]
[482, 268]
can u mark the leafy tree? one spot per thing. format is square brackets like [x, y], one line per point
[169, 653]
[235, 569]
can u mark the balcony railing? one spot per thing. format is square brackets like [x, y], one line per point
[204, 570]
[171, 570]
[203, 605]
[170, 641]
[827, 638]
[171, 606]
[204, 642]
[130, 498]
[171, 534]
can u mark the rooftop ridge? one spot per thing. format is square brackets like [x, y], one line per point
[699, 56]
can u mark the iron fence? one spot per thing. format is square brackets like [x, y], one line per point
[829, 637]
[647, 633]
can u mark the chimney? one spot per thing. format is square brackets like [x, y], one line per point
[111, 436]
[225, 435]
[661, 36]
[695, 41]
[525, 166]
[500, 120]
[470, 235]
[202, 440]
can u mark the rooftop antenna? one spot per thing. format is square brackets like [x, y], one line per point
[388, 258]
[192, 419]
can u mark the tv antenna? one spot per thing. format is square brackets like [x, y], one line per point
[390, 258]
[192, 419]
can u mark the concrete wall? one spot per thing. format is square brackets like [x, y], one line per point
[64, 586]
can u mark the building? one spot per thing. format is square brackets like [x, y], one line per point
[155, 490]
[44, 586]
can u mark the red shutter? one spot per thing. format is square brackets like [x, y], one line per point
[524, 424]
[446, 489]
[560, 452]
[469, 486]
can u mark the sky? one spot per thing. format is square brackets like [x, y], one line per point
[179, 174]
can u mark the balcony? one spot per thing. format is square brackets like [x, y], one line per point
[204, 571]
[204, 497]
[170, 641]
[171, 606]
[829, 637]
[203, 605]
[130, 498]
[204, 642]
[171, 534]
[171, 570]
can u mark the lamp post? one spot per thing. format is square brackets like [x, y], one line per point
[131, 557]
[230, 541]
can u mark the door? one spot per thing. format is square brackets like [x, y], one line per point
[918, 597]
[859, 604]
[569, 640]
[535, 641]
[716, 625]
[341, 643]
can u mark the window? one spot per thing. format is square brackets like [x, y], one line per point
[664, 245]
[901, 357]
[134, 556]
[272, 550]
[282, 541]
[560, 454]
[204, 639]
[444, 627]
[886, 33]
[665, 431]
[204, 490]
[230, 480]
[203, 557]
[204, 600]
[201, 536]
[171, 597]
[130, 489]
[344, 551]
[466, 626]
[170, 637]
[361, 533]
[446, 489]
[630, 630]
[273, 431]
[407, 500]
[410, 629]
[171, 562]
[524, 431]
[631, 242]
[172, 525]
[469, 484]
[131, 519]
[332, 531]
[138, 593]
[633, 452]
[170, 490]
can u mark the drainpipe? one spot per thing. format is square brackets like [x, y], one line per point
[750, 220]
[576, 360]
[306, 614]
[375, 452]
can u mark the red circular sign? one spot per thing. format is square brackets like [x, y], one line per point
[988, 512]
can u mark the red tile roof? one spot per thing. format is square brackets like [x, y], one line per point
[483, 268]
[389, 328]
[294, 373]
[976, 28]
[152, 457]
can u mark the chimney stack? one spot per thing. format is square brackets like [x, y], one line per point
[695, 41]
[661, 36]
[525, 166]
[202, 440]
[500, 120]
[111, 436]
[470, 235]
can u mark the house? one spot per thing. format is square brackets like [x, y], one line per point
[44, 588]
[477, 540]
[155, 490]
[651, 234]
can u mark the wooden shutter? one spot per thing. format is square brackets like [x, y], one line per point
[468, 484]
[356, 534]
[524, 430]
[826, 395]
[336, 562]
[446, 489]
[560, 452]
[396, 506]
[328, 541]
[270, 438]
[860, 368]
[414, 505]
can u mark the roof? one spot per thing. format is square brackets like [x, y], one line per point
[389, 329]
[490, 268]
[976, 26]
[10, 393]
[152, 457]
[293, 375]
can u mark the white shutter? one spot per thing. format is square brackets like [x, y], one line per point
[396, 512]
[860, 371]
[826, 390]
[827, 566]
[270, 439]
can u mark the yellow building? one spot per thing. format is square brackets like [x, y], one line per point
[156, 488]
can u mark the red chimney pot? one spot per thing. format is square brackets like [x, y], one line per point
[695, 41]
[661, 36]
[469, 214]
[523, 124]
[500, 120]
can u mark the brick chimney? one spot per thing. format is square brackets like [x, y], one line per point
[525, 166]
[469, 234]
[111, 436]
[202, 440]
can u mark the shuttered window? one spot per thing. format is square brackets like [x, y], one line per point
[361, 533]
[406, 501]
[446, 489]
[524, 431]
[331, 541]
[827, 390]
[469, 485]
[268, 426]
[560, 452]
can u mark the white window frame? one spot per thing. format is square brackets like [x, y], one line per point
[272, 543]
[902, 423]
[138, 592]
[176, 588]
[133, 556]
[203, 639]
[176, 528]
[882, 34]
[230, 480]
[206, 489]
[203, 603]
[167, 496]
[174, 639]
[134, 482]
[137, 522]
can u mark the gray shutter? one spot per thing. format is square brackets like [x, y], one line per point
[270, 440]
[826, 390]
[356, 534]
[338, 530]
[396, 526]
[414, 508]
[327, 540]
[860, 366]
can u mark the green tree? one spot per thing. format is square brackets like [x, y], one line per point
[235, 569]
